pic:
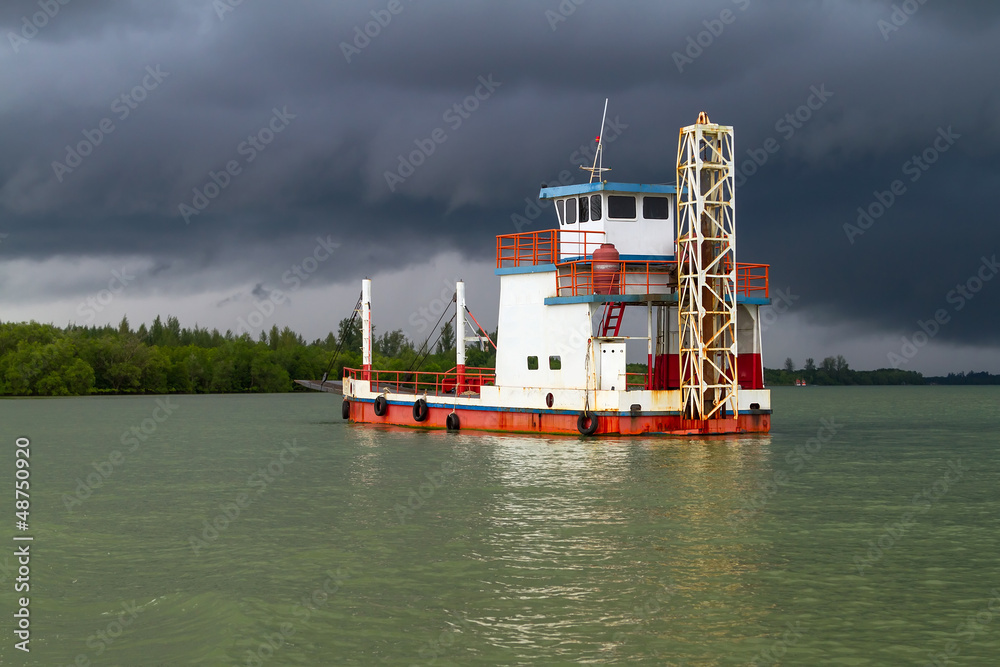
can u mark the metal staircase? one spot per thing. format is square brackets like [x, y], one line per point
[613, 314]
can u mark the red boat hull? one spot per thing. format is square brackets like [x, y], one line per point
[558, 422]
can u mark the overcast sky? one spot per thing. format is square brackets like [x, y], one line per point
[190, 155]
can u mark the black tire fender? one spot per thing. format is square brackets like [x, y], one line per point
[420, 410]
[587, 423]
[345, 409]
[453, 422]
[381, 406]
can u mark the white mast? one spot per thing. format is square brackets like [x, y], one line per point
[366, 327]
[598, 168]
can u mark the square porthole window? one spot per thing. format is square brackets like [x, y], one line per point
[532, 363]
[555, 363]
[621, 207]
[656, 208]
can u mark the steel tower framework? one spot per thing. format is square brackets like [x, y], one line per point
[706, 269]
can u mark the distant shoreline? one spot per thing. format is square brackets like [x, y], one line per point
[880, 377]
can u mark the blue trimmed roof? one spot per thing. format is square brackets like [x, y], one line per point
[638, 298]
[584, 188]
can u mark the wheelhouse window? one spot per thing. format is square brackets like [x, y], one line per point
[656, 208]
[555, 363]
[584, 209]
[621, 207]
[561, 211]
[595, 207]
[532, 363]
[570, 211]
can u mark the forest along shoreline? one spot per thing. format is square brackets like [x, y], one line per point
[164, 358]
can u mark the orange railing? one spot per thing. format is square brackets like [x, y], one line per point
[576, 278]
[528, 248]
[545, 247]
[432, 383]
[751, 279]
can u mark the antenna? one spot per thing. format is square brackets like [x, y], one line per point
[595, 171]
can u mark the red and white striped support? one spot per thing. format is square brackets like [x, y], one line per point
[460, 335]
[750, 362]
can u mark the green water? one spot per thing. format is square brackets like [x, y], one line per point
[368, 546]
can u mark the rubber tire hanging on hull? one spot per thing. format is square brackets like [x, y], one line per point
[420, 410]
[381, 406]
[582, 423]
[452, 422]
[345, 409]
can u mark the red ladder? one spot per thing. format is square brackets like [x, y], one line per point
[613, 313]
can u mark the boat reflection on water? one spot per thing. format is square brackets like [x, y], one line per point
[612, 549]
[635, 536]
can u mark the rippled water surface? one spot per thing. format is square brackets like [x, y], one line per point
[864, 530]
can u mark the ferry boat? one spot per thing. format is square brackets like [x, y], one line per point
[664, 254]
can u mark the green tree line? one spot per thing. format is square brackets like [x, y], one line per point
[46, 360]
[836, 371]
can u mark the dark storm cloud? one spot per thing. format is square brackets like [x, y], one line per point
[345, 124]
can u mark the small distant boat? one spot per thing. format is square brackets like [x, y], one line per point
[799, 382]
